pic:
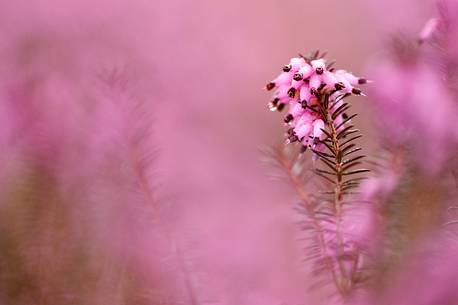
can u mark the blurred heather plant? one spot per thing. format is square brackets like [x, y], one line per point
[416, 189]
[82, 83]
[318, 118]
[80, 221]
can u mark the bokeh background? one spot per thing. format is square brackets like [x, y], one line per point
[198, 69]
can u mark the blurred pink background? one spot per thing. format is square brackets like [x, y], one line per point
[202, 66]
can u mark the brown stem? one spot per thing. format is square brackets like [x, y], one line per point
[346, 279]
[307, 203]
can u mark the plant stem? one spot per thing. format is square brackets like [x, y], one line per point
[345, 282]
[307, 203]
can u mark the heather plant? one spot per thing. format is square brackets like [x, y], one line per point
[80, 221]
[319, 119]
[129, 147]
[371, 233]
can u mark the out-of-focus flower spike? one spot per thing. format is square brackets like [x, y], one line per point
[428, 30]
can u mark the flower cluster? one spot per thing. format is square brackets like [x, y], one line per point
[302, 85]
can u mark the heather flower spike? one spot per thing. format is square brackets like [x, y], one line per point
[318, 119]
[304, 86]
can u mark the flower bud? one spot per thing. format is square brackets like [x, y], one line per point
[283, 78]
[289, 118]
[270, 86]
[287, 68]
[297, 84]
[318, 133]
[297, 63]
[303, 130]
[315, 83]
[296, 110]
[318, 65]
[329, 80]
[306, 71]
[356, 91]
[305, 94]
[298, 76]
[292, 92]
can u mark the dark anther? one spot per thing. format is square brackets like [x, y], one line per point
[270, 86]
[344, 116]
[275, 101]
[321, 87]
[306, 80]
[303, 149]
[362, 81]
[313, 91]
[291, 131]
[304, 104]
[280, 107]
[339, 86]
[356, 91]
[291, 92]
[297, 77]
[293, 139]
[287, 68]
[289, 118]
[319, 71]
[316, 141]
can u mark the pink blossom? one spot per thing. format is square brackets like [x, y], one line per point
[299, 87]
